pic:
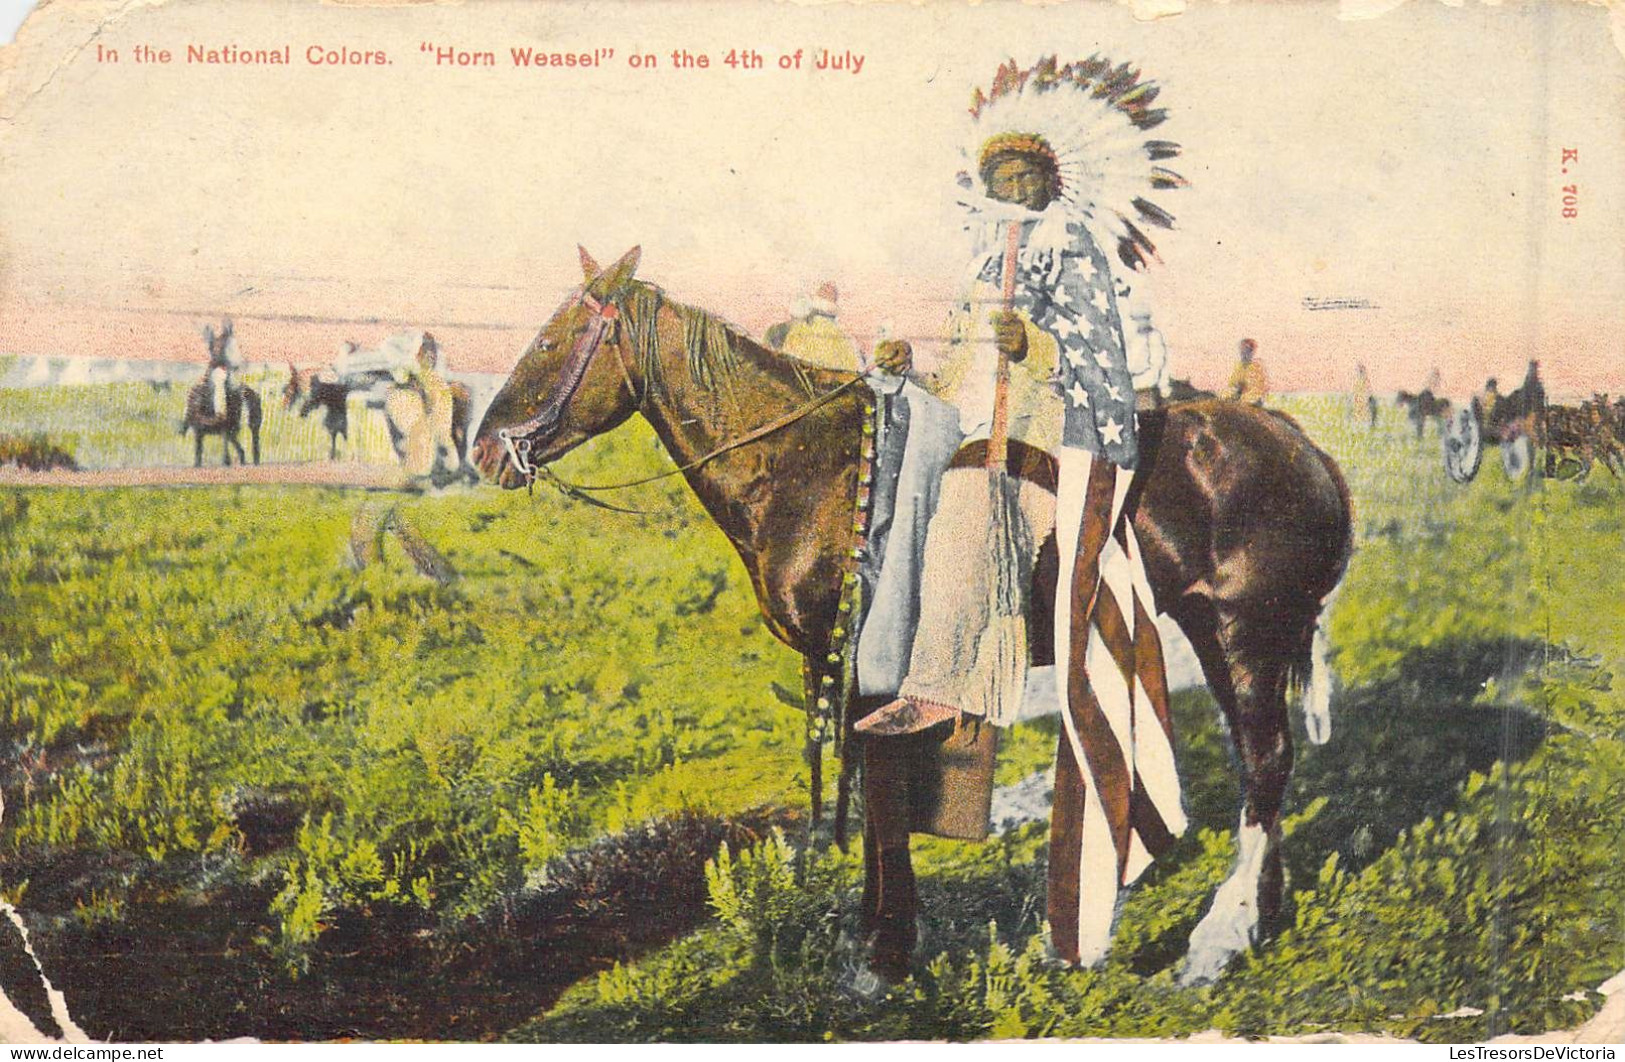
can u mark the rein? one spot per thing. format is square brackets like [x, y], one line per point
[755, 435]
[520, 440]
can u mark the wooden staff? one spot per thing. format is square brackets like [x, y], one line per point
[998, 442]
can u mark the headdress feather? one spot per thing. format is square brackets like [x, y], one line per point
[1091, 116]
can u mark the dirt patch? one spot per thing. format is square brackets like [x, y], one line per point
[196, 967]
[315, 474]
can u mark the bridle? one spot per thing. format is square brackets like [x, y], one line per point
[521, 440]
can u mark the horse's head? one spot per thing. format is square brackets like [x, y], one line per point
[572, 383]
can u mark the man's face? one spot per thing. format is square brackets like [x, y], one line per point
[1021, 180]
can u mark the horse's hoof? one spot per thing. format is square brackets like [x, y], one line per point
[888, 967]
[858, 980]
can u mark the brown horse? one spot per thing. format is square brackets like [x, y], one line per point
[309, 390]
[241, 404]
[1245, 527]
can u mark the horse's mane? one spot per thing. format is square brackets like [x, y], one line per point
[715, 349]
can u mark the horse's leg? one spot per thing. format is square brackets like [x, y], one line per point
[889, 900]
[1245, 658]
[197, 449]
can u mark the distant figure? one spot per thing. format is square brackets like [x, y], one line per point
[1148, 360]
[812, 334]
[1365, 402]
[1489, 400]
[224, 365]
[1249, 382]
[219, 404]
[420, 410]
[1534, 392]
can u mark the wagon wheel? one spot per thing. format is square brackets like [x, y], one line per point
[1463, 444]
[1516, 454]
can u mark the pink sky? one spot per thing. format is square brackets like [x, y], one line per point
[1411, 161]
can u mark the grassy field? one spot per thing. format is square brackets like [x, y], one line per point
[117, 425]
[209, 709]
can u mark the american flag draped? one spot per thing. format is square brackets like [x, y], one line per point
[1115, 775]
[1117, 799]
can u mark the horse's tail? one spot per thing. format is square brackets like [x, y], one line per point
[1309, 673]
[1312, 674]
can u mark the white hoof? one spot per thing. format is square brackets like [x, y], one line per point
[1230, 926]
[1216, 941]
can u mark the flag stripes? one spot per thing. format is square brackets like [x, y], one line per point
[1116, 783]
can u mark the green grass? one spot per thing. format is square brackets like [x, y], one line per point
[199, 690]
[1456, 845]
[175, 656]
[117, 425]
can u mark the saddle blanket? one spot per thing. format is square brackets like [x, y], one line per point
[917, 435]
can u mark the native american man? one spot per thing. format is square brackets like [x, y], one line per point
[1058, 162]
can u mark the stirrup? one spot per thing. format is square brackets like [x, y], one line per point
[904, 716]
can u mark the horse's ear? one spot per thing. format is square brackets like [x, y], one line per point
[589, 267]
[619, 273]
[208, 335]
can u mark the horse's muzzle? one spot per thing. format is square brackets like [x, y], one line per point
[505, 458]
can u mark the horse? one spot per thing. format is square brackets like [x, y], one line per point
[402, 405]
[1423, 408]
[202, 419]
[1246, 529]
[332, 396]
[1584, 435]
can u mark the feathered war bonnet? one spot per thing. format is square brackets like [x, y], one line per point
[1089, 121]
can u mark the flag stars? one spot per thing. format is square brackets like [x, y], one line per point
[1103, 359]
[1080, 397]
[1111, 433]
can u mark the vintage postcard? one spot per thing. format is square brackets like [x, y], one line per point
[583, 520]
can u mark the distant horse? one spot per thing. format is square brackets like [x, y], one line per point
[1585, 435]
[332, 396]
[404, 406]
[1423, 408]
[1245, 525]
[202, 418]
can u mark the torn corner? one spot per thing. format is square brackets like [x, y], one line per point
[47, 40]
